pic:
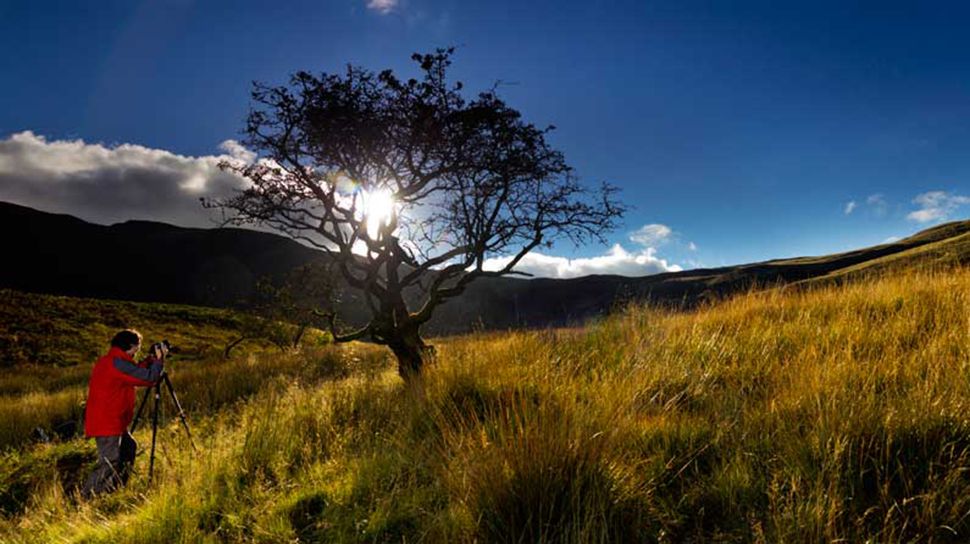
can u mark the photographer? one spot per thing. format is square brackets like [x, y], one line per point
[111, 404]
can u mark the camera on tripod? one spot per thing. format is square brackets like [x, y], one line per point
[159, 349]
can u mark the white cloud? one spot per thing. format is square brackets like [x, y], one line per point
[616, 261]
[651, 235]
[382, 6]
[692, 246]
[851, 205]
[107, 184]
[925, 216]
[936, 206]
[878, 204]
[237, 151]
[891, 239]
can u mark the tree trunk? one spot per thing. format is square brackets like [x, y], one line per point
[411, 353]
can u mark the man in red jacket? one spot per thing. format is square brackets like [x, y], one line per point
[111, 406]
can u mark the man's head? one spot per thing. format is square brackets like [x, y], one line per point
[128, 340]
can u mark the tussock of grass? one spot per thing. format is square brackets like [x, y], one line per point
[834, 413]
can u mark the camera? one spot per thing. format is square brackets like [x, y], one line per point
[162, 347]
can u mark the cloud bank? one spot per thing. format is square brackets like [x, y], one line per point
[617, 260]
[936, 206]
[109, 184]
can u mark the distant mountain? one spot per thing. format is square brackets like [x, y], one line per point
[156, 262]
[139, 260]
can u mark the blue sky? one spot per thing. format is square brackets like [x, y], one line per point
[749, 130]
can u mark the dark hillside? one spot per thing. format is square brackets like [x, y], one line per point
[139, 260]
[155, 262]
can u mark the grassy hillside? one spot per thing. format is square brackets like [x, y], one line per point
[67, 331]
[48, 343]
[945, 252]
[833, 413]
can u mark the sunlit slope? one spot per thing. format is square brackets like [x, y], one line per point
[953, 251]
[908, 251]
[937, 234]
[540, 301]
[66, 331]
[840, 413]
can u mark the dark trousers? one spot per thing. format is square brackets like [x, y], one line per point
[116, 455]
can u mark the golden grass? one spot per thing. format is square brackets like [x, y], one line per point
[813, 415]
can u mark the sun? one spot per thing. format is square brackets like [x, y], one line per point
[379, 208]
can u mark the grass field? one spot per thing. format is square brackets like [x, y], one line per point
[48, 343]
[835, 413]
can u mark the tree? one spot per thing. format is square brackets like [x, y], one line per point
[307, 294]
[280, 310]
[408, 185]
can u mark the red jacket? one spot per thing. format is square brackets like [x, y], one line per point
[111, 393]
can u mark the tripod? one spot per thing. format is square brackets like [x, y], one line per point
[156, 408]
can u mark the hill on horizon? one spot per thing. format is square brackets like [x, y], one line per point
[63, 255]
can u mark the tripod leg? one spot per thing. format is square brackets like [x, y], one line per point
[178, 406]
[141, 407]
[158, 403]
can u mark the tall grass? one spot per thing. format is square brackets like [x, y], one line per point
[48, 344]
[202, 386]
[837, 413]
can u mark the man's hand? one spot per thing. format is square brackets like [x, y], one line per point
[160, 351]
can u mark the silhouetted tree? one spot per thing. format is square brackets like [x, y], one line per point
[280, 310]
[307, 295]
[460, 180]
